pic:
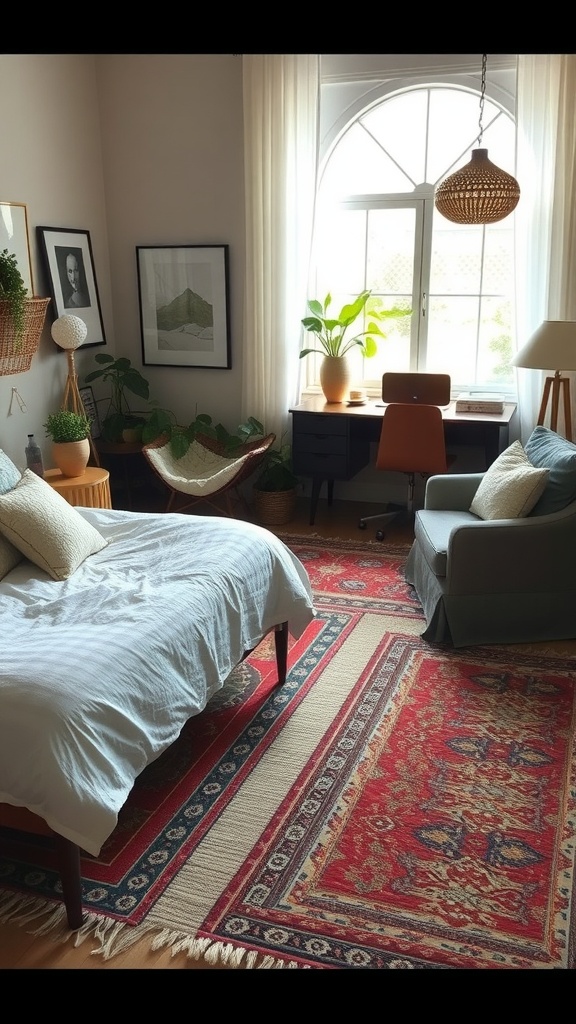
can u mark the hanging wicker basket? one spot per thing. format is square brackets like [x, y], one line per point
[273, 508]
[16, 353]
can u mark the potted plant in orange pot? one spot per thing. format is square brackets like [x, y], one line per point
[70, 433]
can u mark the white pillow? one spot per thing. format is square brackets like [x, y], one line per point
[45, 528]
[510, 487]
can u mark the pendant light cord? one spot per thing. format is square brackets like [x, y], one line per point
[482, 92]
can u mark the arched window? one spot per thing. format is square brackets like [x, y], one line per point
[377, 228]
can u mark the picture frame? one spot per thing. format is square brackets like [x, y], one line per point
[69, 263]
[91, 410]
[14, 237]
[183, 295]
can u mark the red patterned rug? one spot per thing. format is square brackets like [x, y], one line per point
[395, 805]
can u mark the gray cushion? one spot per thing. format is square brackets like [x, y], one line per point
[546, 448]
[9, 473]
[432, 529]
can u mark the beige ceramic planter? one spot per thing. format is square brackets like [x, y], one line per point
[71, 457]
[335, 378]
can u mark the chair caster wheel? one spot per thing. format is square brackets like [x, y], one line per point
[361, 525]
[380, 534]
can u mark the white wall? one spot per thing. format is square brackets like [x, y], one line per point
[167, 168]
[50, 159]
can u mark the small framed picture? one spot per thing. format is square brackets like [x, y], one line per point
[183, 293]
[87, 396]
[14, 237]
[68, 257]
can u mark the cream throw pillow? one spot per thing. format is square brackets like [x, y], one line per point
[510, 487]
[45, 528]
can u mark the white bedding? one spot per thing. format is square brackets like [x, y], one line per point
[99, 673]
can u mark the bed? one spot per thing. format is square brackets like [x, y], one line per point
[102, 664]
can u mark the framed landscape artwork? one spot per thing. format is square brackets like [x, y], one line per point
[183, 293]
[68, 257]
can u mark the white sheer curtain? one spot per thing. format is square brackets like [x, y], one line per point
[281, 118]
[546, 213]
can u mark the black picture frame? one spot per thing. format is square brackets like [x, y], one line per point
[91, 411]
[183, 294]
[67, 253]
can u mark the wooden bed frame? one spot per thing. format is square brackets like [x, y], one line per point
[67, 852]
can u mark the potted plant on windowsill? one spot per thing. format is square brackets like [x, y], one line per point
[332, 333]
[275, 488]
[70, 433]
[21, 318]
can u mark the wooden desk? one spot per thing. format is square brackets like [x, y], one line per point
[332, 441]
[91, 489]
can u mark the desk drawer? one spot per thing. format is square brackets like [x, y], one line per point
[319, 444]
[316, 423]
[326, 465]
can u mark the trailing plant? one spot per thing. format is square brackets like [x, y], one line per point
[332, 331]
[13, 290]
[162, 423]
[64, 426]
[276, 473]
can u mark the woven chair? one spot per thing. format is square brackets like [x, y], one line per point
[204, 474]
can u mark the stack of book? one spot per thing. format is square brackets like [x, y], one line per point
[489, 403]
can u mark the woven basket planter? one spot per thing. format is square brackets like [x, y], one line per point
[272, 508]
[16, 353]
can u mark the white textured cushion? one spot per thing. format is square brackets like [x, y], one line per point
[510, 487]
[45, 528]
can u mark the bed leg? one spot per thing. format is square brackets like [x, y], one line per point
[69, 864]
[281, 646]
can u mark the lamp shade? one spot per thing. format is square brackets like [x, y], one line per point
[551, 347]
[69, 331]
[479, 193]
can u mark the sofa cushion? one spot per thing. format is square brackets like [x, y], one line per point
[510, 487]
[546, 448]
[432, 529]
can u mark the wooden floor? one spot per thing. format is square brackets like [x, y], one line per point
[21, 950]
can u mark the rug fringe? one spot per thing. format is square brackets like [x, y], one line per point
[114, 937]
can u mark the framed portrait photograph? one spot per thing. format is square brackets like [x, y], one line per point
[90, 410]
[183, 294]
[68, 257]
[14, 237]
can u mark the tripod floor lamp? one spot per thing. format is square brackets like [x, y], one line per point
[552, 347]
[69, 332]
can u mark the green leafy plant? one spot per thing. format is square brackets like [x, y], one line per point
[64, 426]
[276, 473]
[13, 290]
[332, 332]
[162, 422]
[122, 378]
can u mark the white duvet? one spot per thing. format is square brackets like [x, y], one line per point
[99, 673]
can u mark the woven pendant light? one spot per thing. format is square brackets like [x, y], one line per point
[479, 193]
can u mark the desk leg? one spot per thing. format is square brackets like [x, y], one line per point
[317, 482]
[495, 441]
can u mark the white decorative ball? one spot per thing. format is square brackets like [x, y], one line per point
[69, 331]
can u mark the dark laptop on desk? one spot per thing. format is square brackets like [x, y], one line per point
[423, 388]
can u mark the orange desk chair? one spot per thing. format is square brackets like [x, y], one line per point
[411, 442]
